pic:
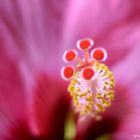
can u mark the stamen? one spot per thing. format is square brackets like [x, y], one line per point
[91, 82]
[85, 44]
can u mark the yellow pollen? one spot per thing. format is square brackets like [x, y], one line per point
[91, 97]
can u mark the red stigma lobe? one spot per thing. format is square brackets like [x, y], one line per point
[70, 55]
[88, 73]
[98, 55]
[85, 44]
[68, 71]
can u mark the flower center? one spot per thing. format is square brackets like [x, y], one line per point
[91, 82]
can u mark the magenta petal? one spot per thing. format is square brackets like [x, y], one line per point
[46, 118]
[47, 113]
[49, 108]
[92, 129]
[12, 91]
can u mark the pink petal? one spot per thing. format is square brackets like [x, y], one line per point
[36, 27]
[113, 25]
[30, 39]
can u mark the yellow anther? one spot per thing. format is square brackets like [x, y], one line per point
[75, 102]
[111, 84]
[111, 97]
[88, 91]
[88, 108]
[90, 98]
[109, 92]
[82, 94]
[105, 82]
[99, 97]
[107, 105]
[100, 107]
[76, 90]
[104, 88]
[91, 103]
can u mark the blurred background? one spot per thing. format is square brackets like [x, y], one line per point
[34, 102]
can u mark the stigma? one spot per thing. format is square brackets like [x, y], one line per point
[91, 82]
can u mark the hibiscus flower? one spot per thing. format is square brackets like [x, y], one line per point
[34, 102]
